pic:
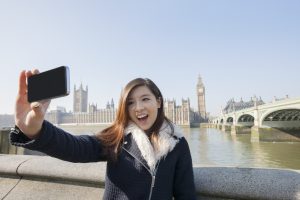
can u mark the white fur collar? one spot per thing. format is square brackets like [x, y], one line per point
[166, 142]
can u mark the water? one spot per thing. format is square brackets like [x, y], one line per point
[213, 147]
[217, 148]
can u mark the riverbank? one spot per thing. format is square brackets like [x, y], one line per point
[43, 177]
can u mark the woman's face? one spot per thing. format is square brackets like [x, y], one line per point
[143, 107]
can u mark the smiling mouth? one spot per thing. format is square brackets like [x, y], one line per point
[142, 117]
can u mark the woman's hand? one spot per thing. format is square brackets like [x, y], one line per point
[29, 117]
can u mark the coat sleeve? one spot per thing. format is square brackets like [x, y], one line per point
[58, 143]
[184, 186]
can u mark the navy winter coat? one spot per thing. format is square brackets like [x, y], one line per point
[141, 170]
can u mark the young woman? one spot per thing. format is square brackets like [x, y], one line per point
[147, 155]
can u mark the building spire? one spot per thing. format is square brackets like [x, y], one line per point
[112, 104]
[200, 83]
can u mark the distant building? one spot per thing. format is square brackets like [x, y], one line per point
[7, 120]
[92, 108]
[170, 109]
[94, 115]
[110, 105]
[61, 109]
[201, 100]
[180, 114]
[80, 101]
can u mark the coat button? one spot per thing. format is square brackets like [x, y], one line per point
[125, 142]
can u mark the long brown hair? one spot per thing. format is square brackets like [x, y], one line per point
[112, 137]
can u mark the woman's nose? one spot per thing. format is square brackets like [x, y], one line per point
[139, 106]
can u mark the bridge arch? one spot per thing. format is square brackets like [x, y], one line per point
[246, 120]
[282, 118]
[229, 120]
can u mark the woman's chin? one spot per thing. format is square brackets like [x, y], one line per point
[143, 126]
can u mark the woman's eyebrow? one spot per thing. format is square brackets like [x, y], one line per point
[144, 95]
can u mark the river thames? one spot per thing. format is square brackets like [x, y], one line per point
[213, 147]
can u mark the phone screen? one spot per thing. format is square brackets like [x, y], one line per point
[49, 84]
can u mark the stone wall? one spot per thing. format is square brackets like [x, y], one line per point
[43, 177]
[5, 146]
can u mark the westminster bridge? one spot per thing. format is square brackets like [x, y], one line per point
[275, 121]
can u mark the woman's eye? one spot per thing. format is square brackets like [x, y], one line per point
[146, 99]
[129, 103]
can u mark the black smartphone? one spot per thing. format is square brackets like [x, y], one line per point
[49, 84]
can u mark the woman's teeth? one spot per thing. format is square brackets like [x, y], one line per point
[142, 116]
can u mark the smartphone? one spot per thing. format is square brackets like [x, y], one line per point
[49, 84]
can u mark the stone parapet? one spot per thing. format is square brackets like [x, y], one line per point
[43, 177]
[247, 183]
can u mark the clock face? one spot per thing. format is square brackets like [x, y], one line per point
[200, 90]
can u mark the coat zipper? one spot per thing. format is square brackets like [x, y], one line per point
[153, 180]
[153, 174]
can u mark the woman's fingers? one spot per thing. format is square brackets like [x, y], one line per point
[32, 72]
[40, 107]
[22, 83]
[22, 90]
[35, 71]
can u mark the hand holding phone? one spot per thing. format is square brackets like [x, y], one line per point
[38, 88]
[49, 84]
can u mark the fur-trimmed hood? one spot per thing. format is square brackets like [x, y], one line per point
[165, 143]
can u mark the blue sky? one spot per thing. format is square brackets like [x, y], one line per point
[240, 48]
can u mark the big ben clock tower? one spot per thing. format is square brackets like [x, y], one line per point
[201, 99]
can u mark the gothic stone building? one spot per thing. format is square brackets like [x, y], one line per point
[181, 114]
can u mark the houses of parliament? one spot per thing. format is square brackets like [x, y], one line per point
[181, 114]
